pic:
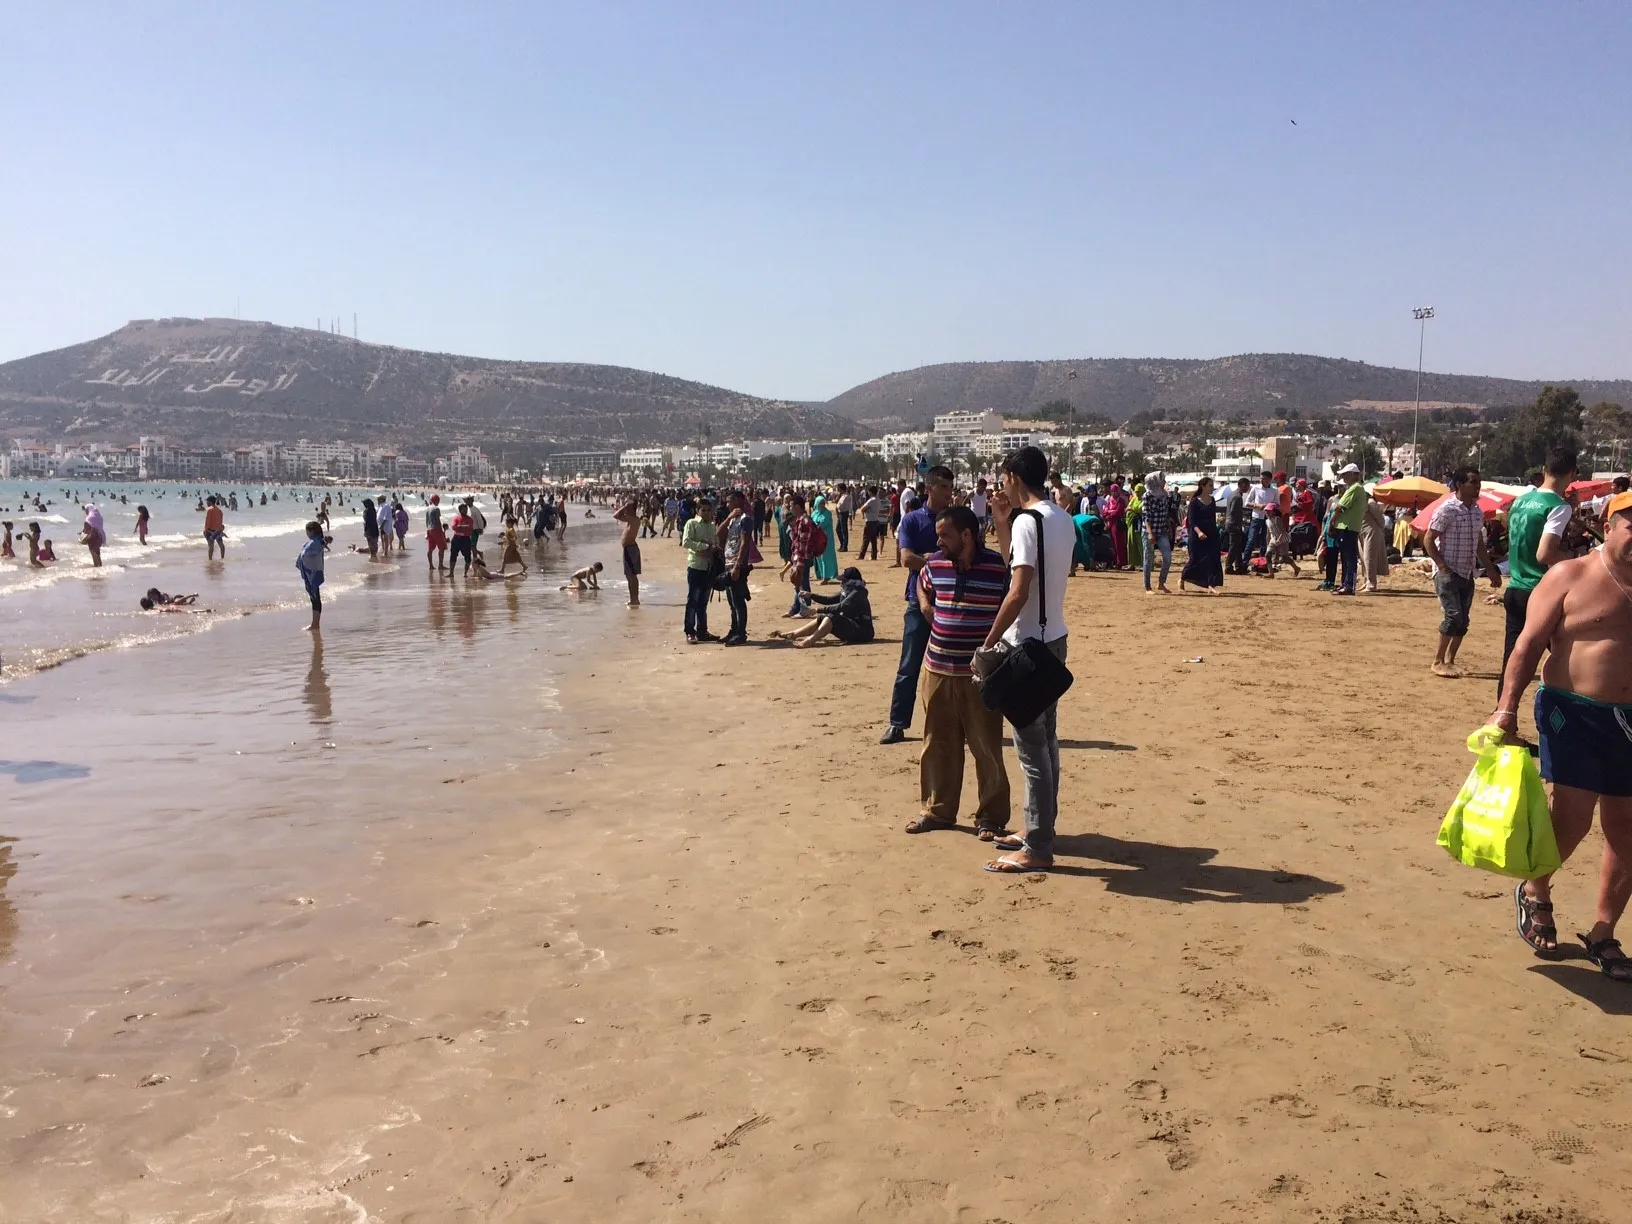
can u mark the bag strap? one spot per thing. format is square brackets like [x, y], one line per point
[1042, 574]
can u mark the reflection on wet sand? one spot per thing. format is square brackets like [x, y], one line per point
[318, 696]
[8, 912]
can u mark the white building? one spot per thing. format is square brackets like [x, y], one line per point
[896, 447]
[956, 433]
[643, 458]
[468, 464]
[995, 446]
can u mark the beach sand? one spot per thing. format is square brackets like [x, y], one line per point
[649, 944]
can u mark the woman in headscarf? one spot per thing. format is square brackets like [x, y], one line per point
[827, 565]
[848, 615]
[1373, 544]
[94, 534]
[1083, 554]
[1205, 568]
[1113, 506]
[1136, 527]
[371, 528]
[784, 542]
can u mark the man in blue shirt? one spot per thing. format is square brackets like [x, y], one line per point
[916, 537]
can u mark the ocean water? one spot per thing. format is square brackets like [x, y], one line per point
[70, 608]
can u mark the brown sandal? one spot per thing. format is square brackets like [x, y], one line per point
[925, 825]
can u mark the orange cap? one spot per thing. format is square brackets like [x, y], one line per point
[1621, 501]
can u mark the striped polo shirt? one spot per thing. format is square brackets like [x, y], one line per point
[965, 605]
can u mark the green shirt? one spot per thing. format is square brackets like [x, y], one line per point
[1526, 520]
[697, 539]
[1351, 508]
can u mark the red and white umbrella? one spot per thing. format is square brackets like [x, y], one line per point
[1490, 501]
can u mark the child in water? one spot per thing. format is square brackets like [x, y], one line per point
[585, 579]
[6, 550]
[46, 553]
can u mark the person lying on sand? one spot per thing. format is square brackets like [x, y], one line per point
[479, 570]
[159, 597]
[585, 579]
[149, 606]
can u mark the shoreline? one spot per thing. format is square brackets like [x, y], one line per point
[686, 966]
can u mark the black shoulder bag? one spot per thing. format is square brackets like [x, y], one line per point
[1029, 678]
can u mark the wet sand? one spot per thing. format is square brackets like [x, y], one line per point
[675, 959]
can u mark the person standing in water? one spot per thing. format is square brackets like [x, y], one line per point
[436, 540]
[142, 520]
[629, 515]
[310, 565]
[215, 529]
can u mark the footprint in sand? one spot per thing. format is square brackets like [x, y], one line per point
[1147, 1090]
[1292, 1104]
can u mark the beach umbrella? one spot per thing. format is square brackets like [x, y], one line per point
[1413, 491]
[1590, 488]
[1490, 501]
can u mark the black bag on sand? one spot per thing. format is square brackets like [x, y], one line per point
[1029, 678]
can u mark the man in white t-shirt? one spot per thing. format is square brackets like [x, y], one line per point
[1033, 609]
[979, 502]
[1259, 498]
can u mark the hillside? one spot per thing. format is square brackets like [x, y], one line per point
[220, 380]
[1256, 384]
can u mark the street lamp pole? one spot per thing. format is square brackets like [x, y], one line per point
[1421, 314]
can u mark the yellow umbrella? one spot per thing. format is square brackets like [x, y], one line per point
[1413, 491]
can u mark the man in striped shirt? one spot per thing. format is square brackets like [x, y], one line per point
[960, 590]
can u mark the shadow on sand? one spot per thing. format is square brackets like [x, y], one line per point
[1182, 873]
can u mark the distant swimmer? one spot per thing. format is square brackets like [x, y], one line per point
[586, 579]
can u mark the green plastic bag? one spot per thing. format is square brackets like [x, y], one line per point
[1500, 820]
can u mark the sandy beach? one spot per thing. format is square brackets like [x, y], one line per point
[562, 919]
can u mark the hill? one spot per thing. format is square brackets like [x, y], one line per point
[221, 380]
[1255, 385]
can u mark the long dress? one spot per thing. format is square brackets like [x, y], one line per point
[826, 565]
[1373, 545]
[1135, 516]
[1205, 568]
[784, 545]
[1083, 553]
[1116, 527]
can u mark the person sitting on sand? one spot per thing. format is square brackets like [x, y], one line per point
[848, 616]
[585, 579]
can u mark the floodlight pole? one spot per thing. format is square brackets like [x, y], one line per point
[1421, 314]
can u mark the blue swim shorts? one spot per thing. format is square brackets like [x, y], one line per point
[1584, 743]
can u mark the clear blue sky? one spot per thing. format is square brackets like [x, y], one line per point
[790, 199]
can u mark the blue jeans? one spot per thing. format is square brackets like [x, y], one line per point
[699, 587]
[1038, 747]
[801, 582]
[1257, 538]
[1348, 556]
[1163, 542]
[914, 641]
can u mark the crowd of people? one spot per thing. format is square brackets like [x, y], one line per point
[986, 570]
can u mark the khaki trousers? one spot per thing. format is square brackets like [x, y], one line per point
[954, 716]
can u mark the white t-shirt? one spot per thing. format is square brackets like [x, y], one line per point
[1258, 497]
[1060, 539]
[977, 503]
[1558, 518]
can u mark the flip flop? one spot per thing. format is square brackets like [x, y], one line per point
[1004, 865]
[992, 835]
[1010, 842]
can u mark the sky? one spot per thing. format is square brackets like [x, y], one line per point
[789, 200]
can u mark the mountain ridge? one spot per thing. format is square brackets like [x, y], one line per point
[225, 380]
[1263, 385]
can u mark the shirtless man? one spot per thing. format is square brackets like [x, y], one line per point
[586, 579]
[1581, 612]
[629, 515]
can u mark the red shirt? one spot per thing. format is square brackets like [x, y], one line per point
[1303, 507]
[462, 524]
[800, 533]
